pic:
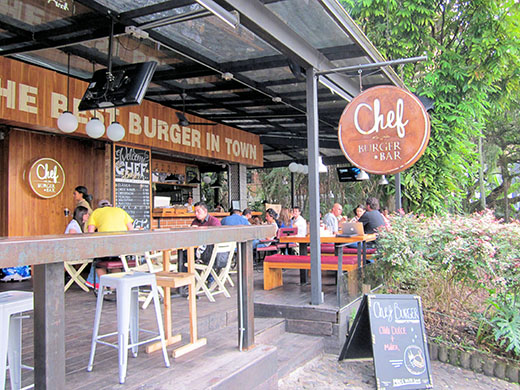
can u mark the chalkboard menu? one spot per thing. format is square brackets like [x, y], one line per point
[391, 329]
[132, 183]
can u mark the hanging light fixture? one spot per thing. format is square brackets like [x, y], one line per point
[67, 122]
[95, 128]
[362, 175]
[206, 179]
[293, 167]
[383, 181]
[115, 132]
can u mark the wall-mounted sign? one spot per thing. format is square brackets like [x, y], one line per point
[34, 97]
[384, 130]
[46, 177]
[132, 183]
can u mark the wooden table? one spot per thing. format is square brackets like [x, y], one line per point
[168, 280]
[339, 243]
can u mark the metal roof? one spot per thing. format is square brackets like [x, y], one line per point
[251, 77]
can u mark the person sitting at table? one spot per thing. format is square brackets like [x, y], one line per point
[285, 218]
[248, 214]
[331, 219]
[271, 218]
[372, 219]
[203, 252]
[299, 222]
[235, 218]
[79, 218]
[358, 212]
[107, 218]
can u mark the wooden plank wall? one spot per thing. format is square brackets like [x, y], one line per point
[84, 164]
[4, 157]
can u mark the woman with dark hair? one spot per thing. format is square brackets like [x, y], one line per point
[358, 212]
[79, 218]
[82, 198]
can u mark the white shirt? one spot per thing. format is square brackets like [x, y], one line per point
[301, 224]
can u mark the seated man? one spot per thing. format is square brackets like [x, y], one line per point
[235, 218]
[331, 218]
[203, 252]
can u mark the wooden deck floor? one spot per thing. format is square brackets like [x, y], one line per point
[199, 369]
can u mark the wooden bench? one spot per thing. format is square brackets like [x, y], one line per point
[329, 249]
[273, 266]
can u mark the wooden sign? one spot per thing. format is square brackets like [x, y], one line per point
[132, 187]
[390, 328]
[384, 130]
[34, 97]
[46, 178]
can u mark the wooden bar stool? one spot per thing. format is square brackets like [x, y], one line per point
[12, 303]
[169, 280]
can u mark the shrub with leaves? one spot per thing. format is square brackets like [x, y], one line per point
[458, 263]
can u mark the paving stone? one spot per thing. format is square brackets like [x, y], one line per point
[325, 372]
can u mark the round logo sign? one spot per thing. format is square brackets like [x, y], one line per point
[46, 178]
[384, 130]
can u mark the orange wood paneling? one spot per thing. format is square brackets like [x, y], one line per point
[35, 97]
[83, 162]
[4, 158]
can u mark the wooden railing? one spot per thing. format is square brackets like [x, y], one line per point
[47, 254]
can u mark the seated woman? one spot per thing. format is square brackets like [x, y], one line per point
[79, 218]
[358, 212]
[285, 219]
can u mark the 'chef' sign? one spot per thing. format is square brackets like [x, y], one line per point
[46, 177]
[384, 130]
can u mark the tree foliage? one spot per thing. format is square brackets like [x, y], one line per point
[472, 66]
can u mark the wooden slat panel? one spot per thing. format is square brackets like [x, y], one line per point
[83, 162]
[4, 158]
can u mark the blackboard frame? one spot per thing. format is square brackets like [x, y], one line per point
[144, 180]
[383, 323]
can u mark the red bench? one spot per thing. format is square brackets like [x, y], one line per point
[273, 266]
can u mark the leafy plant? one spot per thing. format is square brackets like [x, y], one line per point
[503, 322]
[457, 264]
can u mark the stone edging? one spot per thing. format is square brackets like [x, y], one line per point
[475, 361]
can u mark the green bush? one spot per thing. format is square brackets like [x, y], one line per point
[458, 264]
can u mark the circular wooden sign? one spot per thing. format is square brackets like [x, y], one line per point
[46, 178]
[384, 130]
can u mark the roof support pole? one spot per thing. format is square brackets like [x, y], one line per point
[314, 185]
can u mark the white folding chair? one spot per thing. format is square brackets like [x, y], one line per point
[204, 270]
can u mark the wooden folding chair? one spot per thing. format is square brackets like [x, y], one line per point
[75, 274]
[204, 270]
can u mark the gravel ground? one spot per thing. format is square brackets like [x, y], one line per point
[325, 372]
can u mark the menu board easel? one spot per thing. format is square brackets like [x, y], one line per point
[132, 183]
[390, 328]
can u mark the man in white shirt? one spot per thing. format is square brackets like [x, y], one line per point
[299, 222]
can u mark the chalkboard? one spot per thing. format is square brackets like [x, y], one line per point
[390, 328]
[132, 183]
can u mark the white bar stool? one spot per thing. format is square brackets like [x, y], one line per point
[12, 303]
[127, 289]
